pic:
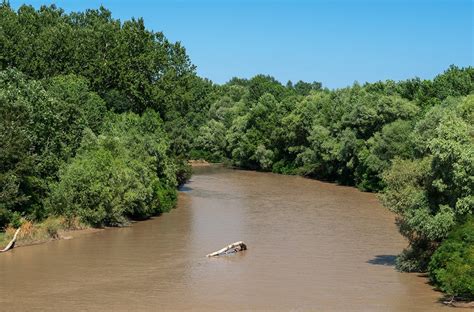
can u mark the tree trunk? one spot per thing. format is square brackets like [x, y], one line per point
[11, 244]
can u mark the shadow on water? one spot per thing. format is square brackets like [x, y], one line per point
[388, 260]
[185, 188]
[230, 257]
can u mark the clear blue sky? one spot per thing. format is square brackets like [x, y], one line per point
[335, 42]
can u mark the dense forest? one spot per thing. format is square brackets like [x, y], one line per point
[412, 141]
[99, 118]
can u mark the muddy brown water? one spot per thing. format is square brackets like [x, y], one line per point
[312, 246]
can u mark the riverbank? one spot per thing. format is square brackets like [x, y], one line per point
[198, 163]
[459, 303]
[51, 229]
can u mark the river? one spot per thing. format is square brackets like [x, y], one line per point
[312, 246]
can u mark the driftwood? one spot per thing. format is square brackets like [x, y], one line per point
[235, 247]
[459, 302]
[11, 244]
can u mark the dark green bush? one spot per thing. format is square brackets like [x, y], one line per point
[284, 167]
[452, 265]
[123, 173]
[103, 184]
[167, 197]
[41, 127]
[183, 171]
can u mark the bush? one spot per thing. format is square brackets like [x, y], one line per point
[167, 197]
[452, 265]
[211, 141]
[416, 257]
[284, 167]
[4, 217]
[183, 171]
[123, 173]
[52, 226]
[41, 127]
[9, 218]
[103, 184]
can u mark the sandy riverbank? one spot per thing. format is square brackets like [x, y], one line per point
[198, 163]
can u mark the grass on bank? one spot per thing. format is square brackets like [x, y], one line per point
[33, 233]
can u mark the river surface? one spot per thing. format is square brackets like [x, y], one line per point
[312, 246]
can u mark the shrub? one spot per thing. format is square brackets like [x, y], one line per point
[103, 184]
[167, 198]
[183, 171]
[52, 226]
[123, 173]
[452, 265]
[284, 167]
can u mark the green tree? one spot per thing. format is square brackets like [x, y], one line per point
[104, 184]
[433, 194]
[125, 172]
[212, 139]
[452, 265]
[41, 127]
[377, 155]
[123, 61]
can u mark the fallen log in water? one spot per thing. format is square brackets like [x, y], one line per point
[11, 244]
[235, 247]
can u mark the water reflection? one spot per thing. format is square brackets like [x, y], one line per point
[383, 260]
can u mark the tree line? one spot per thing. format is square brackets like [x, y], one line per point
[99, 116]
[412, 141]
[88, 106]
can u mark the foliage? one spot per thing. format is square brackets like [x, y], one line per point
[69, 69]
[129, 67]
[119, 59]
[211, 138]
[183, 171]
[41, 127]
[452, 265]
[123, 173]
[434, 193]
